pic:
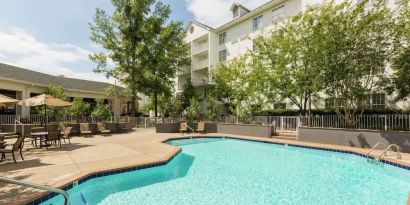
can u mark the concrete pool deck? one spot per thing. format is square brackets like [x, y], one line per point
[59, 166]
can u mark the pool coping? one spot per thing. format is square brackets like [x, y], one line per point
[38, 198]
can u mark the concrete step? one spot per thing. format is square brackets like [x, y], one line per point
[285, 135]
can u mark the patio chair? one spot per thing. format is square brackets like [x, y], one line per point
[53, 136]
[183, 127]
[17, 147]
[62, 127]
[201, 127]
[102, 130]
[85, 129]
[67, 134]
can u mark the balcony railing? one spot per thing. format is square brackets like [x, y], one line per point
[204, 80]
[199, 48]
[184, 70]
[200, 64]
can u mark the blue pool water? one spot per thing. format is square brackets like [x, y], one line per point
[227, 171]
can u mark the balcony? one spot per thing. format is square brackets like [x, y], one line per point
[184, 70]
[200, 48]
[201, 64]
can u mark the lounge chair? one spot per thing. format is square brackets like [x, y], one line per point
[201, 127]
[17, 147]
[183, 127]
[53, 136]
[85, 129]
[102, 130]
[67, 134]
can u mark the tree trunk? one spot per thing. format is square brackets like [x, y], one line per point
[156, 104]
[133, 109]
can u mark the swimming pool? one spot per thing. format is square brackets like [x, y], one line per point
[228, 171]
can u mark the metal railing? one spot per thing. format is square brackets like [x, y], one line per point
[37, 186]
[374, 147]
[387, 149]
[391, 122]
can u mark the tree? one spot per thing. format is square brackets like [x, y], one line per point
[173, 107]
[355, 47]
[401, 58]
[56, 91]
[102, 111]
[127, 37]
[188, 92]
[233, 86]
[79, 108]
[212, 111]
[286, 59]
[165, 53]
[193, 112]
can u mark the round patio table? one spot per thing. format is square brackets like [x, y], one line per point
[38, 135]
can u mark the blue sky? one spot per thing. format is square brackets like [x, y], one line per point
[52, 36]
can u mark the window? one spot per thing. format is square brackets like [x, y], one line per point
[378, 101]
[279, 106]
[330, 104]
[222, 56]
[222, 38]
[257, 23]
[278, 14]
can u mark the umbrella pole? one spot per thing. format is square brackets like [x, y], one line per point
[45, 117]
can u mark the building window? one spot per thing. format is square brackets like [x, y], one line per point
[278, 14]
[222, 56]
[257, 23]
[279, 106]
[330, 104]
[222, 38]
[378, 101]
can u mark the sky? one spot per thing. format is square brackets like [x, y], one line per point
[52, 36]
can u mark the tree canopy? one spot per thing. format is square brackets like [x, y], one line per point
[139, 49]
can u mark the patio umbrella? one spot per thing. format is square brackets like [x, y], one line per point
[7, 101]
[44, 100]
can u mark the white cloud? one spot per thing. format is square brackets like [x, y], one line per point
[217, 12]
[20, 48]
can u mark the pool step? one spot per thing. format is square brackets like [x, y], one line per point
[285, 136]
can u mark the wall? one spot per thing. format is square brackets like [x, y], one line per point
[246, 130]
[355, 138]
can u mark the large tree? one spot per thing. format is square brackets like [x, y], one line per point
[287, 60]
[355, 49]
[131, 38]
[401, 58]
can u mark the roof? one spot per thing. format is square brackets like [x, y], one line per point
[243, 17]
[239, 5]
[14, 73]
[199, 24]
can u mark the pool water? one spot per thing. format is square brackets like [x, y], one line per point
[227, 171]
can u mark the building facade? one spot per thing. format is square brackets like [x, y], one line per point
[20, 83]
[211, 46]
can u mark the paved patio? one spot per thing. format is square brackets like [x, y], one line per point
[58, 166]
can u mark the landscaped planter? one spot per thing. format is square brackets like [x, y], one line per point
[355, 138]
[246, 130]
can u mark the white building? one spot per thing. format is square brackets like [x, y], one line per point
[210, 46]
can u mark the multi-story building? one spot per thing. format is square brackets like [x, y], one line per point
[211, 46]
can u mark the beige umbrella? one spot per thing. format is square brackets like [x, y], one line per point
[7, 101]
[44, 100]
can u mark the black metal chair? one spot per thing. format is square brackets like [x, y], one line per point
[17, 147]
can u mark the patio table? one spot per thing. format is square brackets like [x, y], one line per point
[38, 135]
